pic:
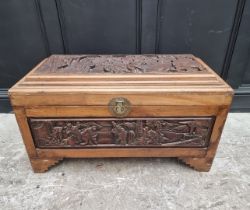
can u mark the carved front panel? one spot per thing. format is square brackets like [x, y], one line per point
[153, 132]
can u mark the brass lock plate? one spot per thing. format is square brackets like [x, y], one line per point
[119, 107]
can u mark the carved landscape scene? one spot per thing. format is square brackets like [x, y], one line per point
[120, 64]
[173, 132]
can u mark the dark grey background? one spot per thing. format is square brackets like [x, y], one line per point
[218, 31]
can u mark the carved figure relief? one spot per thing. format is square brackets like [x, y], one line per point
[172, 132]
[120, 64]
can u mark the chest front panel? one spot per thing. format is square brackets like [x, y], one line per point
[111, 132]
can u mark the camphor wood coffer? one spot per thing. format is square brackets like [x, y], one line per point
[97, 106]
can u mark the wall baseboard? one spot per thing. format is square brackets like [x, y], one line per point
[241, 102]
[5, 106]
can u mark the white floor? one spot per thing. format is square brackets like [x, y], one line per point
[127, 183]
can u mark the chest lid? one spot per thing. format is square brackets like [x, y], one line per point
[95, 79]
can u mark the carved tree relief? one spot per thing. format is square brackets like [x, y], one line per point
[120, 64]
[172, 132]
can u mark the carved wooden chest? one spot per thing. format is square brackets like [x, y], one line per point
[121, 106]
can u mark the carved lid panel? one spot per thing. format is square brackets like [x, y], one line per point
[142, 79]
[120, 64]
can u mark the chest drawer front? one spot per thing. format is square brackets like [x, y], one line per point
[110, 132]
